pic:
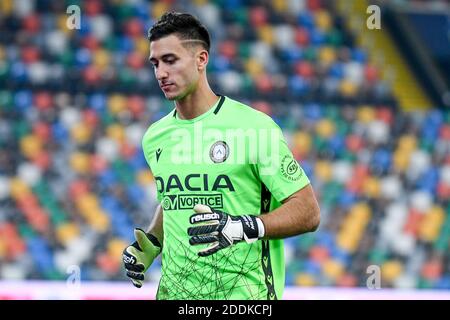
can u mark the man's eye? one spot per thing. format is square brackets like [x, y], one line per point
[170, 61]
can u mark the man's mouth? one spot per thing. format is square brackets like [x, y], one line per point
[166, 86]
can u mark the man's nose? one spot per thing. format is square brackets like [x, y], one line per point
[161, 73]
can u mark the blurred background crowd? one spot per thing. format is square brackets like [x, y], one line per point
[374, 141]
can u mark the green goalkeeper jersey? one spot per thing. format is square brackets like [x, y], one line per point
[234, 159]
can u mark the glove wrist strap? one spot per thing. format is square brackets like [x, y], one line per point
[251, 228]
[261, 228]
[154, 240]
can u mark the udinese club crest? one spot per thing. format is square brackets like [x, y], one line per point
[219, 152]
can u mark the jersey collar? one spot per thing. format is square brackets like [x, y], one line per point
[214, 110]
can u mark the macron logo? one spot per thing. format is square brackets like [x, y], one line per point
[158, 153]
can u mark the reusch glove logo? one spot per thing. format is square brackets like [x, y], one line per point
[205, 217]
[128, 259]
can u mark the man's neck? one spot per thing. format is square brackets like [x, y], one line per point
[195, 104]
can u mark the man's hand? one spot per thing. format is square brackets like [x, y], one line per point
[222, 230]
[138, 256]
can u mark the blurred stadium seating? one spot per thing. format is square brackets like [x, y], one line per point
[74, 105]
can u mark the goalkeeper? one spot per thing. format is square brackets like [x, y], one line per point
[230, 189]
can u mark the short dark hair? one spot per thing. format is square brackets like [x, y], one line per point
[185, 25]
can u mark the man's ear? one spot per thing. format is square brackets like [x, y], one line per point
[202, 60]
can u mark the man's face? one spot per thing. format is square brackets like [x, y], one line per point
[175, 67]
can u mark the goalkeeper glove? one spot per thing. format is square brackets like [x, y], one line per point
[138, 256]
[222, 230]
